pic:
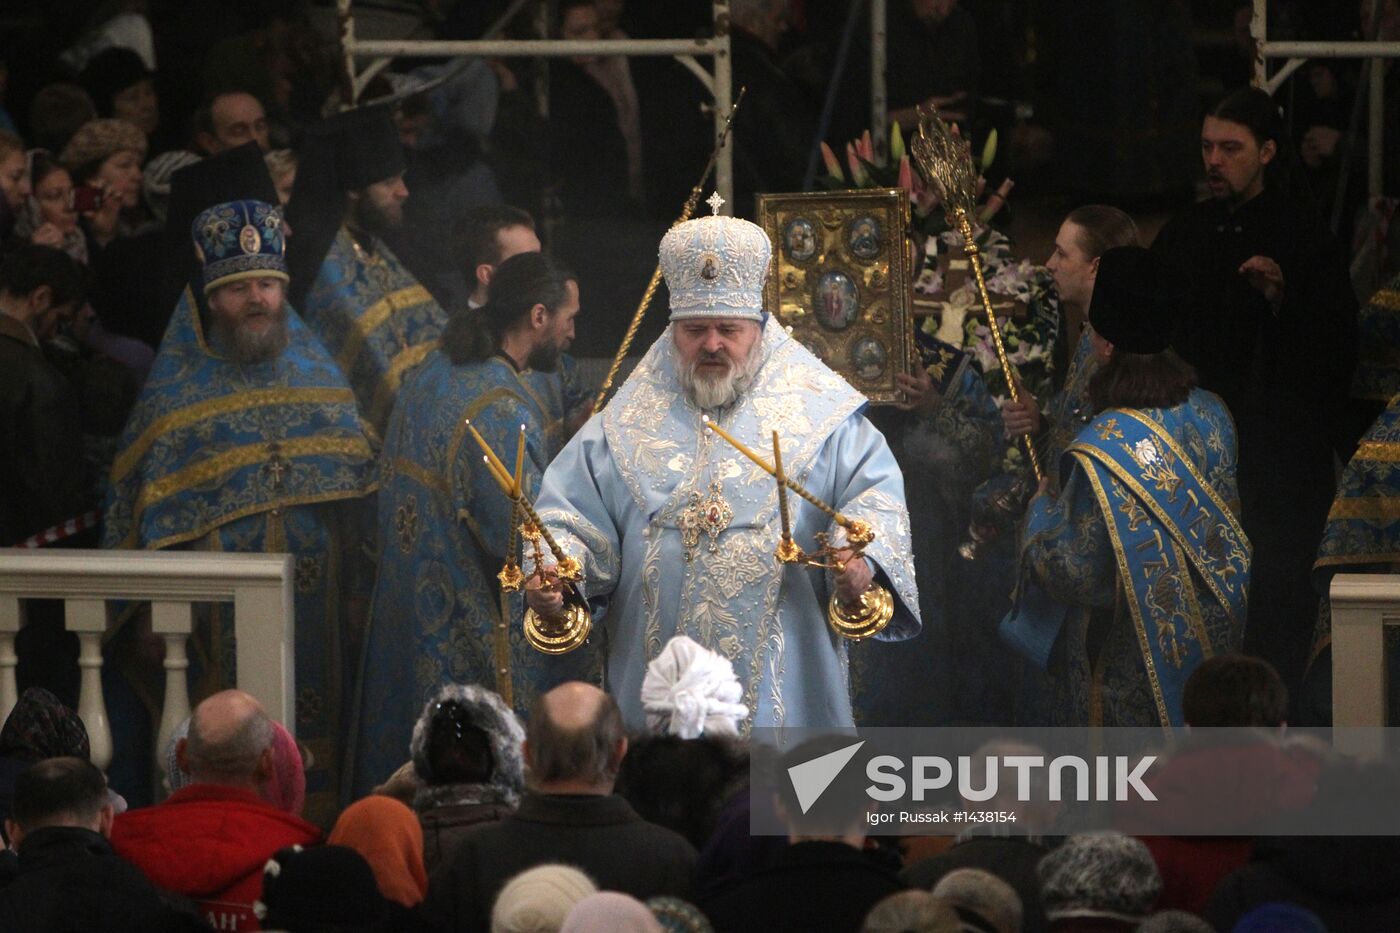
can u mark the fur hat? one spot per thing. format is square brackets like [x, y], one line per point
[538, 900]
[95, 140]
[1099, 875]
[485, 710]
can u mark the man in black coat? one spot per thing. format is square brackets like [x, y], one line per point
[41, 463]
[574, 745]
[824, 879]
[68, 876]
[1269, 322]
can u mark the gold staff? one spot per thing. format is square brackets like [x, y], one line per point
[945, 161]
[511, 577]
[788, 550]
[655, 283]
[550, 636]
[858, 533]
[874, 609]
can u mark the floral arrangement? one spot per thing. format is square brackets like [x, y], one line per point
[1022, 292]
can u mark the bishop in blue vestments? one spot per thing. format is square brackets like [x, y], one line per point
[676, 530]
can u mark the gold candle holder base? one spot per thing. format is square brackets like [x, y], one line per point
[512, 578]
[559, 636]
[865, 619]
[789, 553]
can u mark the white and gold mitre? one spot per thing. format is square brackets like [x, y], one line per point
[716, 267]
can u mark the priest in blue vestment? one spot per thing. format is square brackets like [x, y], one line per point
[676, 530]
[438, 614]
[371, 312]
[246, 438]
[1136, 569]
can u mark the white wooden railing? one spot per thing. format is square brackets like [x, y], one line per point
[258, 585]
[1363, 606]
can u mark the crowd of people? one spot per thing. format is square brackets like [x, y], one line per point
[236, 316]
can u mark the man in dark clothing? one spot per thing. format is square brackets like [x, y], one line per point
[823, 880]
[574, 745]
[41, 464]
[69, 878]
[1269, 323]
[776, 121]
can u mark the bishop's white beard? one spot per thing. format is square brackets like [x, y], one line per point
[709, 392]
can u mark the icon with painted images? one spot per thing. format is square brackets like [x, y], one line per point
[869, 358]
[800, 240]
[837, 301]
[863, 237]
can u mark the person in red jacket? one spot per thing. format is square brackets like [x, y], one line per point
[210, 839]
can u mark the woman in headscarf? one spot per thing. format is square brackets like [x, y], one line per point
[387, 834]
[39, 727]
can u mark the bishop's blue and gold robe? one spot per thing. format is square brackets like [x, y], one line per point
[1362, 536]
[618, 493]
[1138, 570]
[438, 616]
[374, 317]
[264, 458]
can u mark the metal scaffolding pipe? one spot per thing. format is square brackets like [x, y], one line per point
[1330, 49]
[724, 101]
[1375, 167]
[534, 48]
[1258, 35]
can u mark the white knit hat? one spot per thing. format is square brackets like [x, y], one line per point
[538, 900]
[689, 691]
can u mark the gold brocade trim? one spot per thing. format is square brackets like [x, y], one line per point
[1125, 574]
[223, 405]
[1197, 618]
[129, 543]
[375, 315]
[388, 386]
[1387, 298]
[1173, 529]
[471, 412]
[1379, 508]
[1343, 560]
[207, 471]
[1379, 451]
[422, 476]
[1161, 434]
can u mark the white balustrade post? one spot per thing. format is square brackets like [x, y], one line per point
[10, 621]
[88, 618]
[172, 621]
[1360, 604]
[264, 628]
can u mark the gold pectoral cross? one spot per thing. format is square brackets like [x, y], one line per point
[709, 515]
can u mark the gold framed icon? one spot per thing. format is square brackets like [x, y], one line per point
[842, 281]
